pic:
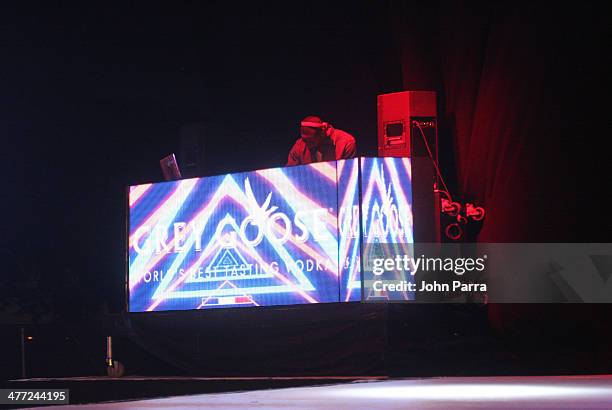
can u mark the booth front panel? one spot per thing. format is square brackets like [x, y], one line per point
[280, 236]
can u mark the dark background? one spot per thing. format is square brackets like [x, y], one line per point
[93, 95]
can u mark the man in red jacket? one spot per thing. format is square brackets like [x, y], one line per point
[320, 141]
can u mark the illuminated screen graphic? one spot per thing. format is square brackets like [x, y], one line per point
[387, 223]
[270, 237]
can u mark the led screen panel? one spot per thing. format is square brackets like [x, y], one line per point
[260, 238]
[386, 211]
[270, 237]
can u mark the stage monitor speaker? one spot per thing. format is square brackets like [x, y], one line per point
[407, 127]
[401, 118]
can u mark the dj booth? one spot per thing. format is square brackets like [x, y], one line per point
[280, 236]
[264, 272]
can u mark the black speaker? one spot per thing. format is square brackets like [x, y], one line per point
[192, 150]
[425, 202]
[424, 137]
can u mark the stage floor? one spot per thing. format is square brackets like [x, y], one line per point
[550, 392]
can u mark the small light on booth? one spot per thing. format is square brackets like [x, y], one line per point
[29, 338]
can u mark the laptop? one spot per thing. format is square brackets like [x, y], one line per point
[170, 168]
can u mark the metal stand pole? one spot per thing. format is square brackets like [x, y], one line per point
[109, 350]
[23, 359]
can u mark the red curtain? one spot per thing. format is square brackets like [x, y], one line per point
[506, 76]
[522, 121]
